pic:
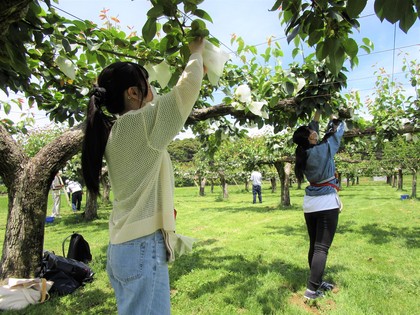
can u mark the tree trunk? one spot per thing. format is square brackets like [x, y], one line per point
[106, 185]
[273, 184]
[91, 210]
[339, 177]
[246, 184]
[400, 179]
[24, 237]
[286, 193]
[414, 184]
[28, 182]
[224, 184]
[202, 186]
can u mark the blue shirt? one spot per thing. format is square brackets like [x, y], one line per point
[320, 164]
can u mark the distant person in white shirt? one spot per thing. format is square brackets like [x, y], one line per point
[256, 179]
[76, 191]
[56, 187]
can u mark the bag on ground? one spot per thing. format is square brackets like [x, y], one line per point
[19, 293]
[67, 274]
[79, 248]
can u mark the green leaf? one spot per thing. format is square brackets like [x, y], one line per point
[149, 30]
[351, 47]
[407, 20]
[295, 52]
[7, 108]
[120, 42]
[101, 60]
[155, 12]
[314, 37]
[203, 14]
[92, 46]
[293, 34]
[321, 52]
[80, 24]
[394, 10]
[355, 7]
[66, 45]
[379, 9]
[276, 5]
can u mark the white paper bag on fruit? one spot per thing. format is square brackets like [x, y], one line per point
[214, 59]
[160, 72]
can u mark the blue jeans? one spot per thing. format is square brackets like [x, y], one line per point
[256, 190]
[138, 271]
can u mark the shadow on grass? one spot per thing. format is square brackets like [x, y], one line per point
[76, 222]
[258, 208]
[289, 230]
[244, 276]
[379, 235]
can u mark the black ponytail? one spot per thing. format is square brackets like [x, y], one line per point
[97, 132]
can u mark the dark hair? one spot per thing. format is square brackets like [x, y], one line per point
[301, 138]
[113, 81]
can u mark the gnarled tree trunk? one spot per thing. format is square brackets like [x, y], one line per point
[28, 182]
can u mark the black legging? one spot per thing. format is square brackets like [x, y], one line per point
[321, 229]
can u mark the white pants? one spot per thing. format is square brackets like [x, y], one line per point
[56, 194]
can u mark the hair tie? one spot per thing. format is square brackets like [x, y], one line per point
[99, 93]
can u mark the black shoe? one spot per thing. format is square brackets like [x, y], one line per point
[311, 295]
[325, 286]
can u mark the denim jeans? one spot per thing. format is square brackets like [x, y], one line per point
[321, 229]
[256, 190]
[138, 271]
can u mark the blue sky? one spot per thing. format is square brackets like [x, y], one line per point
[251, 20]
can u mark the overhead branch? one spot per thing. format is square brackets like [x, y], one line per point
[221, 110]
[354, 133]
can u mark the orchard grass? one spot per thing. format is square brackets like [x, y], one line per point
[252, 258]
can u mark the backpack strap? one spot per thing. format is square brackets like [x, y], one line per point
[64, 242]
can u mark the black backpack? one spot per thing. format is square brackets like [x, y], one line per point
[66, 273]
[79, 248]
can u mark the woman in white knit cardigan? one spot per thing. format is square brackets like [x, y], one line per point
[135, 148]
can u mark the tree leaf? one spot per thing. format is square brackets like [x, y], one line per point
[321, 52]
[407, 20]
[351, 47]
[155, 12]
[203, 14]
[355, 7]
[379, 9]
[149, 30]
[276, 5]
[66, 45]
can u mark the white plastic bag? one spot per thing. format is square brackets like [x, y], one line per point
[19, 293]
[214, 59]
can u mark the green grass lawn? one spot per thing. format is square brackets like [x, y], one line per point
[252, 259]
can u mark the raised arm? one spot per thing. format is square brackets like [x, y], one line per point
[314, 124]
